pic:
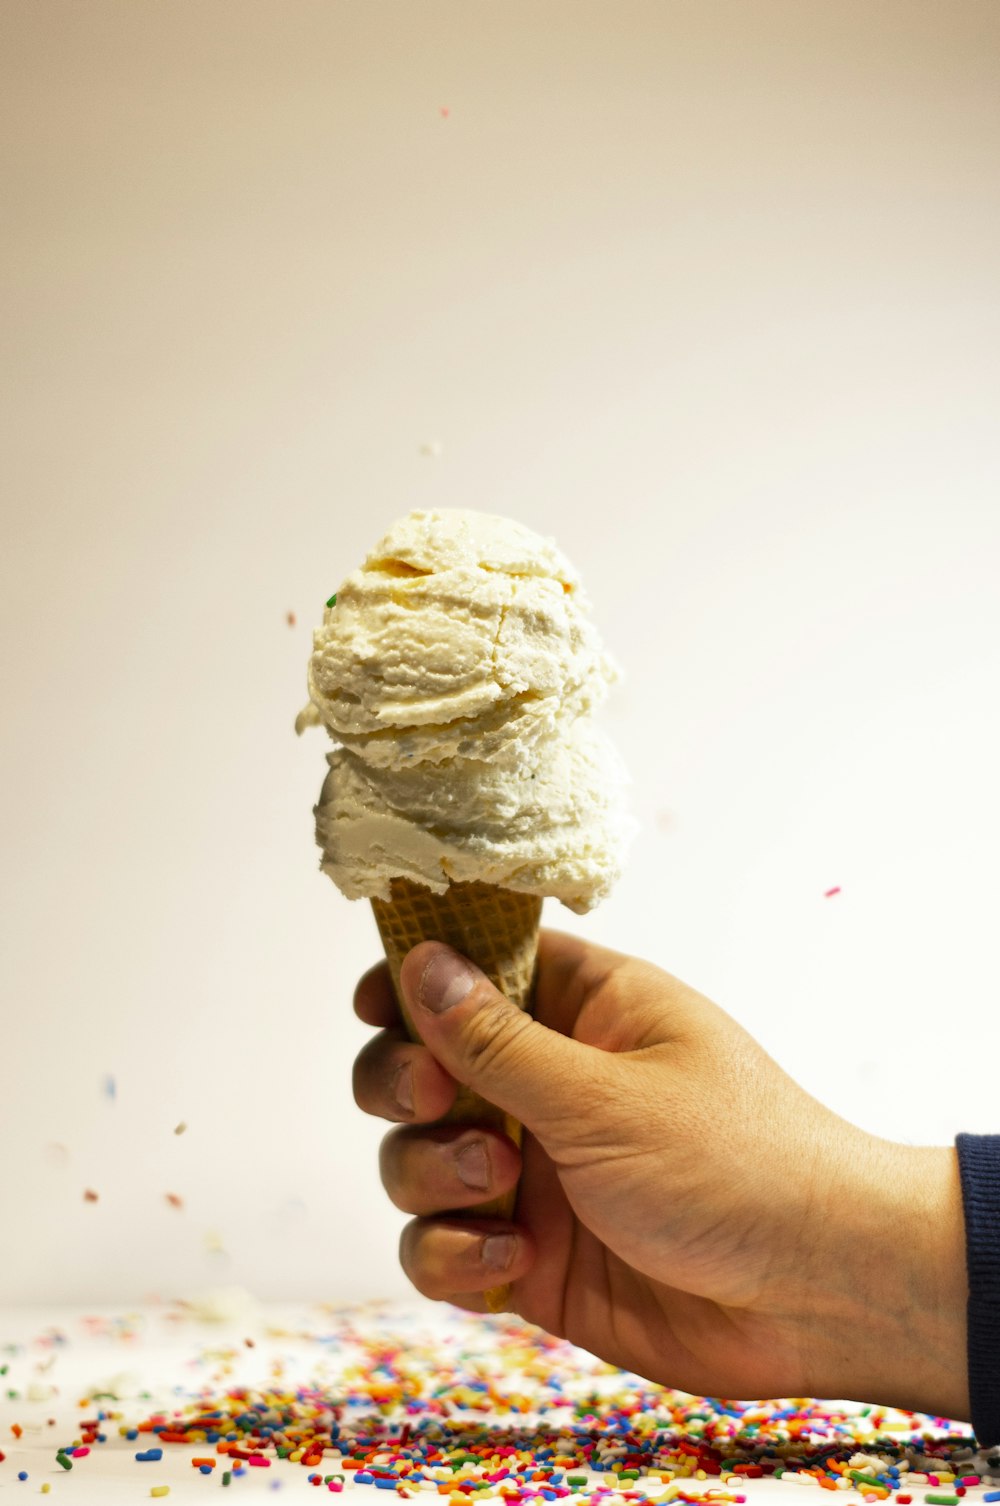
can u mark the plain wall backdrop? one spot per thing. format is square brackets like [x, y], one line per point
[707, 289]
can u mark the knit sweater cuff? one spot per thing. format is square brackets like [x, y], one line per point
[979, 1162]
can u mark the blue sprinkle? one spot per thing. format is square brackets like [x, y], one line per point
[386, 1484]
[363, 1477]
[149, 1455]
[132, 1434]
[204, 1469]
[22, 1474]
[992, 1495]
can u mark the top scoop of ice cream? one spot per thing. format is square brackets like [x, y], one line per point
[457, 672]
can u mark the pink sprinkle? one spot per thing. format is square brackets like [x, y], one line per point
[80, 1453]
[445, 112]
[969, 1480]
[257, 1461]
[829, 893]
[933, 1480]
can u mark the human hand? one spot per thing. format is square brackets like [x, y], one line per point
[685, 1210]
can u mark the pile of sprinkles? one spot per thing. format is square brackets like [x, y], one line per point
[495, 1409]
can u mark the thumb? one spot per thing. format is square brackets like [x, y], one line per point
[487, 1043]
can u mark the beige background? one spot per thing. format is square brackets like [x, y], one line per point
[709, 291]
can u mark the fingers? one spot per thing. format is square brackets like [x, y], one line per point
[374, 1000]
[453, 1260]
[394, 1078]
[452, 1166]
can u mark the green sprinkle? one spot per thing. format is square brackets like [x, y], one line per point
[227, 1477]
[4, 1369]
[333, 600]
[576, 1479]
[862, 1479]
[64, 1460]
[941, 1500]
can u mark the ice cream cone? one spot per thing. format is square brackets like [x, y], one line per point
[496, 929]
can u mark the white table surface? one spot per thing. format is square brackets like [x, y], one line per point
[161, 1357]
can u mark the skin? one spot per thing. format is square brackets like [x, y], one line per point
[684, 1209]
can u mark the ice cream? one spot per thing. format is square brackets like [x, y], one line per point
[458, 672]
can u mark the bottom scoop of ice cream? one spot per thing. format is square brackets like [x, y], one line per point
[552, 827]
[458, 671]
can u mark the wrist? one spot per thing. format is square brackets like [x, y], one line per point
[897, 1318]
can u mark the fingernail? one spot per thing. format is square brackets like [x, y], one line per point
[445, 982]
[402, 1088]
[473, 1166]
[498, 1251]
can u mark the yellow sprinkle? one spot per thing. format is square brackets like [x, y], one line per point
[46, 1488]
[160, 1490]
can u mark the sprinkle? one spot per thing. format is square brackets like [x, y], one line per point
[991, 1495]
[332, 602]
[110, 1088]
[174, 1200]
[22, 1474]
[227, 1477]
[938, 1499]
[63, 1459]
[290, 618]
[149, 1455]
[445, 112]
[159, 1490]
[829, 893]
[180, 1128]
[46, 1488]
[89, 1195]
[249, 1343]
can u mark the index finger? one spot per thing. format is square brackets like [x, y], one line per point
[374, 999]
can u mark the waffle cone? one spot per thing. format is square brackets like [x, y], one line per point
[498, 931]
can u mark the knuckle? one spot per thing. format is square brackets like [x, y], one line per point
[498, 1040]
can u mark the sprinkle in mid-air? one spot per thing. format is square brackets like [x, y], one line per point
[89, 1195]
[180, 1128]
[174, 1200]
[110, 1088]
[829, 893]
[290, 618]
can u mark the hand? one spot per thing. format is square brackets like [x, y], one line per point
[685, 1210]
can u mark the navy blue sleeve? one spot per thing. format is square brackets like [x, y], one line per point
[979, 1162]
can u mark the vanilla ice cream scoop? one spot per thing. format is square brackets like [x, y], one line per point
[457, 671]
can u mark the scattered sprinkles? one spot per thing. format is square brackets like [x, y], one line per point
[495, 1409]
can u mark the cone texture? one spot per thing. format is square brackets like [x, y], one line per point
[498, 931]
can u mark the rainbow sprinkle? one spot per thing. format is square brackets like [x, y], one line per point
[499, 1410]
